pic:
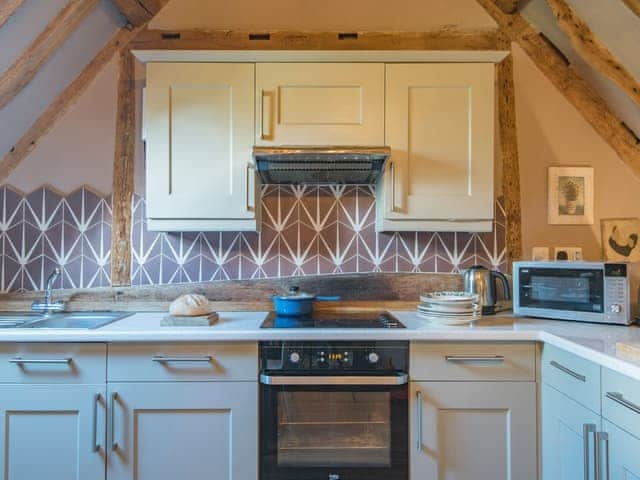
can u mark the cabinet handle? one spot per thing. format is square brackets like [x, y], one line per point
[267, 116]
[96, 445]
[602, 438]
[163, 359]
[419, 420]
[392, 173]
[568, 371]
[619, 399]
[248, 185]
[587, 429]
[114, 444]
[41, 361]
[474, 358]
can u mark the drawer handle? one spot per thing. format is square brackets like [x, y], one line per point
[618, 398]
[41, 361]
[568, 371]
[419, 420]
[587, 430]
[96, 445]
[114, 443]
[474, 358]
[163, 359]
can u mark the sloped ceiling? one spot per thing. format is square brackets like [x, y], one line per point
[617, 27]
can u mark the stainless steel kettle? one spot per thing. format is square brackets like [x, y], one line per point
[481, 280]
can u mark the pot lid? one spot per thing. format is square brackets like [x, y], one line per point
[295, 294]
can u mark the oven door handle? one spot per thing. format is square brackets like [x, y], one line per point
[400, 379]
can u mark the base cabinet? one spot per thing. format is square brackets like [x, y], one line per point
[624, 458]
[52, 432]
[473, 431]
[195, 431]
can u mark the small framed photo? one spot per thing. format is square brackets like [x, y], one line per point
[570, 196]
[620, 239]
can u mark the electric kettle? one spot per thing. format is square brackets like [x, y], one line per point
[481, 280]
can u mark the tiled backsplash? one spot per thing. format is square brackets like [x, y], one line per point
[306, 230]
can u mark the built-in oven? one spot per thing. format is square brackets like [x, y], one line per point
[334, 411]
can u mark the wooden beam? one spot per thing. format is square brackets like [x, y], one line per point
[139, 12]
[510, 159]
[508, 6]
[592, 50]
[31, 60]
[574, 88]
[61, 104]
[634, 6]
[123, 173]
[445, 38]
[8, 8]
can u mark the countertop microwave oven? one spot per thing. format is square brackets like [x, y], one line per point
[600, 292]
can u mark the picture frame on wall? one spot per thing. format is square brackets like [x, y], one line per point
[620, 237]
[570, 196]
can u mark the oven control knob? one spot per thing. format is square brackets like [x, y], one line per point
[294, 357]
[616, 308]
[373, 357]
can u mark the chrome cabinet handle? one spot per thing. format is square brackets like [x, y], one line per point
[474, 358]
[249, 173]
[400, 379]
[166, 359]
[96, 445]
[267, 115]
[602, 438]
[619, 399]
[41, 361]
[587, 429]
[114, 444]
[419, 420]
[568, 371]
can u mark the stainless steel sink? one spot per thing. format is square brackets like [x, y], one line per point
[87, 320]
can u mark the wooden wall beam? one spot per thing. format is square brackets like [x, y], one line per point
[139, 12]
[574, 88]
[123, 173]
[36, 55]
[510, 159]
[61, 104]
[592, 50]
[508, 6]
[446, 38]
[634, 6]
[8, 8]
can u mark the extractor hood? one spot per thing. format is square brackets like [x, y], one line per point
[320, 165]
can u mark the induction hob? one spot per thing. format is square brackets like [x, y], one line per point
[333, 320]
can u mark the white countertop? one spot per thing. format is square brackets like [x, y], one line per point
[591, 341]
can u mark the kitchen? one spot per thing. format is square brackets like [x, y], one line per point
[333, 240]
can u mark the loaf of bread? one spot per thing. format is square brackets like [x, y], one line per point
[190, 305]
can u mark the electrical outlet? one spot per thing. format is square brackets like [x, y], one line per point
[540, 254]
[568, 253]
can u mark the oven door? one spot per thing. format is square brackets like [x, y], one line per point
[342, 428]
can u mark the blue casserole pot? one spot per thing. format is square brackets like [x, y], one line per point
[296, 303]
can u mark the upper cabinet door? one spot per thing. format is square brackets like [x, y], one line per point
[320, 104]
[198, 127]
[440, 127]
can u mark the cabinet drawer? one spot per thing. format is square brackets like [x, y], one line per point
[183, 362]
[473, 362]
[621, 401]
[53, 363]
[574, 376]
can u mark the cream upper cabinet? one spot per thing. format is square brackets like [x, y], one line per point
[440, 126]
[320, 104]
[198, 127]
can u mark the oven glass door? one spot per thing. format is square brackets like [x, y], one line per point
[572, 289]
[333, 431]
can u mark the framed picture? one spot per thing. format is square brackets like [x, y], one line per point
[620, 239]
[570, 196]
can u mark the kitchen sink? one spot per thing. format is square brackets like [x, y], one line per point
[86, 320]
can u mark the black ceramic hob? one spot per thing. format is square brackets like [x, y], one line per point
[333, 320]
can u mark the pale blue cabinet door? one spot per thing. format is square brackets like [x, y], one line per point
[563, 441]
[51, 432]
[186, 430]
[624, 454]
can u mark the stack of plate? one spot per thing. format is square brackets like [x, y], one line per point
[449, 308]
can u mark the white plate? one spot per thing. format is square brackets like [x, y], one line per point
[425, 311]
[449, 320]
[434, 307]
[449, 297]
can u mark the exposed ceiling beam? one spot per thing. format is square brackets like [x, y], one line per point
[574, 88]
[508, 6]
[8, 8]
[445, 38]
[592, 50]
[36, 55]
[139, 12]
[61, 104]
[634, 6]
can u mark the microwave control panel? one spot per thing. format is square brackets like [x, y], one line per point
[616, 292]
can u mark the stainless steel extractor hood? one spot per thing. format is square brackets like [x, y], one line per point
[320, 165]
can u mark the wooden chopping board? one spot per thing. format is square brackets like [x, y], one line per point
[198, 321]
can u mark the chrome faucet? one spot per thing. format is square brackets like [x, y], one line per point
[47, 306]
